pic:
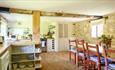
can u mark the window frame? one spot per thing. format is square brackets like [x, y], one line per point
[95, 28]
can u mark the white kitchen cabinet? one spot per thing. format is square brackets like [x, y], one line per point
[50, 45]
[4, 61]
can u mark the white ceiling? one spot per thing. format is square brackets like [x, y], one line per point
[62, 19]
[91, 7]
[14, 20]
[88, 7]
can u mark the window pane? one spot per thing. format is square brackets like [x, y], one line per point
[99, 29]
[94, 31]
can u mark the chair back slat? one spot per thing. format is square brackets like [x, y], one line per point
[80, 45]
[81, 56]
[72, 43]
[80, 49]
[91, 53]
[80, 42]
[93, 47]
[107, 53]
[72, 50]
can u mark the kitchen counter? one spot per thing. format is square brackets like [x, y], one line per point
[4, 47]
[22, 42]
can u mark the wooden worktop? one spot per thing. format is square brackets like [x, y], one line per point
[4, 47]
[7, 44]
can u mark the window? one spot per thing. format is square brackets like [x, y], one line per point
[97, 28]
[94, 31]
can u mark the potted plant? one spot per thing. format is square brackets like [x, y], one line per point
[30, 36]
[105, 41]
[50, 32]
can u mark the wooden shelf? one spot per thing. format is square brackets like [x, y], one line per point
[26, 55]
[23, 49]
[27, 50]
[24, 69]
[38, 66]
[27, 60]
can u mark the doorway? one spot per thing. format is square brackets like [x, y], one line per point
[62, 31]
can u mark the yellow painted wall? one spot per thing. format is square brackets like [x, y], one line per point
[83, 29]
[110, 27]
[44, 26]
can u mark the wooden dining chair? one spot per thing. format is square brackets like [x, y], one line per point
[94, 60]
[72, 50]
[81, 57]
[109, 60]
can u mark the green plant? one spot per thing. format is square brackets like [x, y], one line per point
[50, 31]
[30, 36]
[106, 39]
[51, 27]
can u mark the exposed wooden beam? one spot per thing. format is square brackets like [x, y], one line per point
[4, 9]
[56, 14]
[20, 11]
[62, 14]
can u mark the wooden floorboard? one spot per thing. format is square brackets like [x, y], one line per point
[57, 61]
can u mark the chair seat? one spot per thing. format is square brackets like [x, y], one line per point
[72, 50]
[95, 59]
[81, 54]
[111, 66]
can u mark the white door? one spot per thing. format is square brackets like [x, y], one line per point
[63, 37]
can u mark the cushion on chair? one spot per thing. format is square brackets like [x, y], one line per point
[111, 66]
[95, 59]
[72, 50]
[81, 54]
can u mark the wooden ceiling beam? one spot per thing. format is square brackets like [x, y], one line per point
[20, 11]
[62, 14]
[55, 14]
